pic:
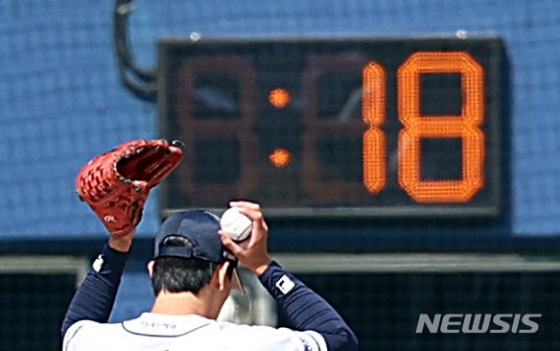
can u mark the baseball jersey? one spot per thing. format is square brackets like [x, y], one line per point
[157, 332]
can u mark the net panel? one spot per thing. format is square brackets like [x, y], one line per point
[62, 102]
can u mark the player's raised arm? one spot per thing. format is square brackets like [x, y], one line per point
[306, 310]
[95, 297]
[116, 185]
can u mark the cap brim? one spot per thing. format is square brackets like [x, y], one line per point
[237, 285]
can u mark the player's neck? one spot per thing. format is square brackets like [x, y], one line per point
[185, 303]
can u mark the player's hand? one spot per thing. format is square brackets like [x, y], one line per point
[252, 252]
[122, 243]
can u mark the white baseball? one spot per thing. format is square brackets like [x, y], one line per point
[237, 225]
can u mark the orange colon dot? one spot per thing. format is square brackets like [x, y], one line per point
[279, 97]
[280, 157]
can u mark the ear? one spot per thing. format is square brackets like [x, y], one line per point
[222, 276]
[150, 267]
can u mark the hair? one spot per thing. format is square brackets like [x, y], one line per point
[179, 274]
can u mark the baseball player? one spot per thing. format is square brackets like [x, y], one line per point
[192, 273]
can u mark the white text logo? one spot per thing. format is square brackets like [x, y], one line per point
[478, 323]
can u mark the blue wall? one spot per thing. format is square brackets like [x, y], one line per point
[61, 101]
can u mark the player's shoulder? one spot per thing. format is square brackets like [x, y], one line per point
[255, 337]
[88, 326]
[79, 328]
[76, 327]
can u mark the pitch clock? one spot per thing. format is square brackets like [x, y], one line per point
[351, 127]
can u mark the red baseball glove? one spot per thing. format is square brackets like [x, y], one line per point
[116, 184]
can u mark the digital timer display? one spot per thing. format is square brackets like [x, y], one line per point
[365, 127]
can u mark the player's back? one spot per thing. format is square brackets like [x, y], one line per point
[154, 332]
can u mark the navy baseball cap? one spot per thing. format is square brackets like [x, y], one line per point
[201, 229]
